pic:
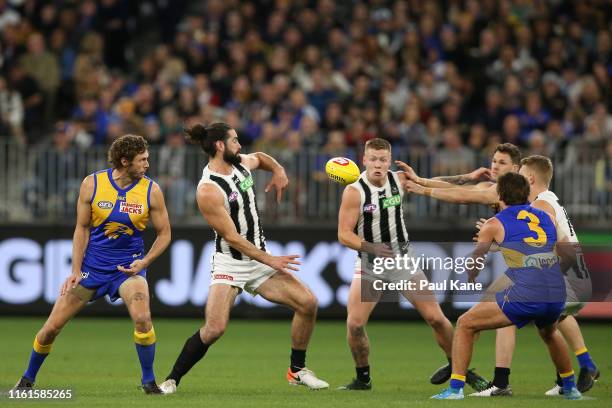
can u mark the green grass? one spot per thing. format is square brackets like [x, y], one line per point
[246, 368]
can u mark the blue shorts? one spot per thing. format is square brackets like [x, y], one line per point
[105, 282]
[543, 314]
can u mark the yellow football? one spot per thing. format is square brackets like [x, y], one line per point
[342, 170]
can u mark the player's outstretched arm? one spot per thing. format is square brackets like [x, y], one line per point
[161, 224]
[260, 160]
[211, 205]
[80, 238]
[457, 195]
[469, 180]
[347, 219]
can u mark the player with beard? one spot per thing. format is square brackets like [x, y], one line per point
[226, 199]
[108, 255]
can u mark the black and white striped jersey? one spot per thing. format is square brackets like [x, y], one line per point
[381, 210]
[239, 200]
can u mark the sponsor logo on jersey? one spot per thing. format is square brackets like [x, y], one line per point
[223, 276]
[392, 201]
[131, 208]
[370, 208]
[233, 197]
[105, 205]
[246, 183]
[115, 229]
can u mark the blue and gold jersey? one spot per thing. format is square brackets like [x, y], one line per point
[118, 218]
[528, 248]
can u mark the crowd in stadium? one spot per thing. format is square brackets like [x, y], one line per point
[453, 77]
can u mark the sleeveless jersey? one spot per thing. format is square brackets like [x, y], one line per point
[241, 205]
[528, 249]
[579, 288]
[381, 210]
[118, 218]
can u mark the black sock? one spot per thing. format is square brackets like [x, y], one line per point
[192, 352]
[298, 360]
[363, 373]
[501, 378]
[450, 361]
[559, 380]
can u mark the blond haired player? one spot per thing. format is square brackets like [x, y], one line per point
[505, 159]
[371, 221]
[538, 170]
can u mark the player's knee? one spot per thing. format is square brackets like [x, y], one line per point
[465, 322]
[48, 333]
[435, 321]
[309, 304]
[355, 326]
[547, 334]
[142, 321]
[213, 331]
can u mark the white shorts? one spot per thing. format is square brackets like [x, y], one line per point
[245, 275]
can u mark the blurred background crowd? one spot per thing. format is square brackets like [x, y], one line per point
[444, 81]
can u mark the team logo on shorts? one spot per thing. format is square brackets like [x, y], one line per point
[131, 208]
[84, 275]
[233, 197]
[370, 208]
[223, 276]
[105, 205]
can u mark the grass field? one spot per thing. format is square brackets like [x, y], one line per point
[96, 358]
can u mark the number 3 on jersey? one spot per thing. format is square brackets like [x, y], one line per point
[534, 225]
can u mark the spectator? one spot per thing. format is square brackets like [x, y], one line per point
[412, 132]
[55, 186]
[534, 117]
[178, 190]
[32, 98]
[512, 130]
[11, 113]
[453, 157]
[493, 114]
[43, 66]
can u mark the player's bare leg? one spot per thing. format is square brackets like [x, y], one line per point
[285, 289]
[358, 314]
[64, 309]
[559, 354]
[483, 316]
[568, 326]
[220, 301]
[135, 294]
[428, 307]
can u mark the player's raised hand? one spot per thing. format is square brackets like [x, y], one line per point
[409, 171]
[412, 187]
[279, 182]
[71, 282]
[481, 173]
[284, 263]
[135, 267]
